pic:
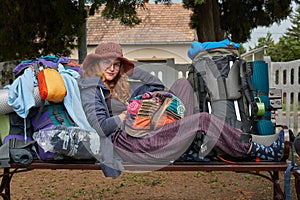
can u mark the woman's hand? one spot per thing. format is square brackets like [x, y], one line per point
[123, 116]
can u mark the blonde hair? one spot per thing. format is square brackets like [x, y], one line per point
[119, 87]
[92, 70]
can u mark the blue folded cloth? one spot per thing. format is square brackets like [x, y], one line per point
[197, 47]
[21, 93]
[72, 100]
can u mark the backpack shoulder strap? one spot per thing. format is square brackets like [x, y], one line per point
[246, 70]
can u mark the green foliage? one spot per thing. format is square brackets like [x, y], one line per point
[288, 47]
[242, 50]
[247, 15]
[265, 41]
[235, 18]
[199, 1]
[33, 28]
[124, 10]
[6, 73]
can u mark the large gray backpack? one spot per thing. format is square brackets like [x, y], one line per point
[221, 81]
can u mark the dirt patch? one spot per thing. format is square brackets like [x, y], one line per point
[92, 185]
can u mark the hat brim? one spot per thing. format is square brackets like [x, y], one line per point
[91, 59]
[127, 64]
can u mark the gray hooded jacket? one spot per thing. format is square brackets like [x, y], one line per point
[95, 96]
[93, 93]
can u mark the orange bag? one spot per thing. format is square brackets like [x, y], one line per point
[51, 85]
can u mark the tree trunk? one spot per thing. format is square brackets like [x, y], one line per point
[82, 50]
[82, 41]
[210, 28]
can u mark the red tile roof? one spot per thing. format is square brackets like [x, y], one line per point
[160, 24]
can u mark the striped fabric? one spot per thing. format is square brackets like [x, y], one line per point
[151, 111]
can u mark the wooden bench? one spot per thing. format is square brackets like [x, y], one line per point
[254, 168]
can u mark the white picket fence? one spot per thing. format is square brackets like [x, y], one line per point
[286, 76]
[282, 75]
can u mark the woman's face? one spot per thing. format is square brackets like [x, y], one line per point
[110, 68]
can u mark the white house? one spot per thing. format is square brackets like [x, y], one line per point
[163, 33]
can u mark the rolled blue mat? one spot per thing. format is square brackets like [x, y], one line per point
[265, 127]
[260, 83]
[260, 76]
[268, 114]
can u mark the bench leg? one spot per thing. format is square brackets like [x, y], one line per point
[297, 183]
[5, 184]
[278, 194]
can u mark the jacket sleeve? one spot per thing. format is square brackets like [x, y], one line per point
[148, 82]
[97, 113]
[145, 77]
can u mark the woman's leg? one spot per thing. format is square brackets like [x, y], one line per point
[273, 152]
[170, 141]
[223, 137]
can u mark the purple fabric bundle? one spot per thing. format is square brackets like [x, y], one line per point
[49, 61]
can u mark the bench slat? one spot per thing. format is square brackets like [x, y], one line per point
[180, 166]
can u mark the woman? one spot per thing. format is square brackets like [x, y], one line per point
[105, 93]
